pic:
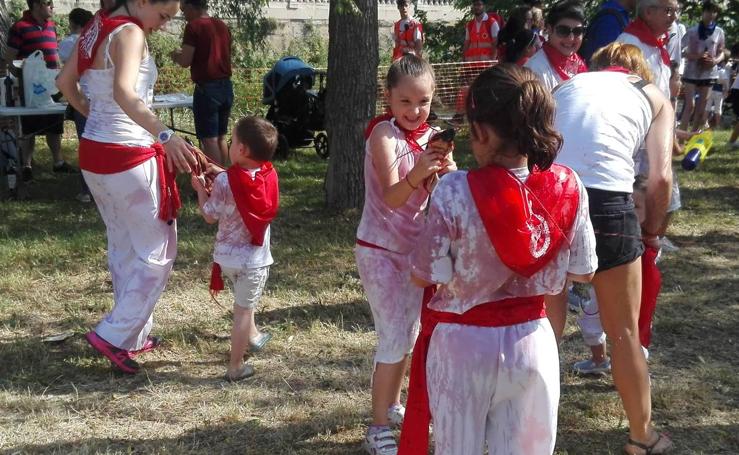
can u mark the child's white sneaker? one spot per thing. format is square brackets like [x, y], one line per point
[588, 367]
[380, 441]
[667, 246]
[396, 414]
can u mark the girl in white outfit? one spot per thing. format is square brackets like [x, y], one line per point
[398, 174]
[497, 239]
[130, 175]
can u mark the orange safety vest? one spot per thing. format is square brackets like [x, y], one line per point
[480, 42]
[405, 41]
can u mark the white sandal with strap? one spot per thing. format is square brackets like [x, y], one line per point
[381, 443]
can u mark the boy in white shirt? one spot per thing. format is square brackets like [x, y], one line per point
[244, 200]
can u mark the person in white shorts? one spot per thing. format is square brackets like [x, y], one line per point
[243, 201]
[719, 92]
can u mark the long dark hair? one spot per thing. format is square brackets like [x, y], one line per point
[511, 100]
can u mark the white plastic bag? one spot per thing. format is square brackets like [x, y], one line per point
[38, 81]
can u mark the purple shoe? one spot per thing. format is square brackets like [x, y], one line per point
[150, 344]
[119, 357]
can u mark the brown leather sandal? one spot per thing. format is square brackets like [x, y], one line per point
[651, 449]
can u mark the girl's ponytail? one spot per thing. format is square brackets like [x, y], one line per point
[537, 137]
[511, 100]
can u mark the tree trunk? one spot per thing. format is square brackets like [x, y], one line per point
[5, 24]
[350, 100]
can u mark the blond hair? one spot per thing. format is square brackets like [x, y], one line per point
[625, 55]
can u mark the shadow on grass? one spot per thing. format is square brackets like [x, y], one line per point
[710, 201]
[349, 316]
[687, 322]
[698, 439]
[247, 437]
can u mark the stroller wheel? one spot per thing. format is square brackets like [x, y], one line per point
[283, 147]
[320, 143]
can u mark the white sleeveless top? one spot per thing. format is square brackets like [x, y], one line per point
[107, 122]
[603, 119]
[393, 229]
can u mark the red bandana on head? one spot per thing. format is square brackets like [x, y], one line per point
[566, 67]
[411, 136]
[93, 35]
[257, 200]
[526, 222]
[641, 30]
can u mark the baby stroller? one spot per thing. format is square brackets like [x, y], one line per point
[295, 108]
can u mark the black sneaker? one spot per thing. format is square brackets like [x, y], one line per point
[65, 168]
[27, 174]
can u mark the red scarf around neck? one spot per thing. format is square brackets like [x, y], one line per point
[566, 67]
[257, 200]
[93, 35]
[411, 136]
[641, 30]
[526, 222]
[617, 69]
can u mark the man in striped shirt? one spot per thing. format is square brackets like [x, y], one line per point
[36, 31]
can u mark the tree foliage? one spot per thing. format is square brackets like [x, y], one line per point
[252, 27]
[444, 40]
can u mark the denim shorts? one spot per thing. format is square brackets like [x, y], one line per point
[700, 82]
[42, 124]
[617, 231]
[211, 106]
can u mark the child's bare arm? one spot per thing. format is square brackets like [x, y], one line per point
[198, 184]
[395, 190]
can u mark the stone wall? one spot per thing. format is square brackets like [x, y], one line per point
[292, 15]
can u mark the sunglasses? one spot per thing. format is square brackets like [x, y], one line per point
[668, 10]
[564, 31]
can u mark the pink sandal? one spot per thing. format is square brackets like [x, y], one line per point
[119, 357]
[150, 344]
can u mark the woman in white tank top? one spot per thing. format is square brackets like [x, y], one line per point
[604, 117]
[125, 168]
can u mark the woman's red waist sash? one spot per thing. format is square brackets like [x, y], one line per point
[502, 313]
[106, 158]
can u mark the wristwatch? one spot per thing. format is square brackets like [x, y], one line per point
[164, 136]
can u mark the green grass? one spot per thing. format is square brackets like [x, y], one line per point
[311, 393]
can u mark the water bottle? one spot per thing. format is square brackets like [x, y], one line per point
[12, 178]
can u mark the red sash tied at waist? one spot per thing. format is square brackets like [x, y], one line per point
[415, 434]
[105, 158]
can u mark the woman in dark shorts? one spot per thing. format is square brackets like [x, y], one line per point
[604, 117]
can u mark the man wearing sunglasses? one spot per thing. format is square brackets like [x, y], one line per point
[648, 32]
[36, 31]
[557, 60]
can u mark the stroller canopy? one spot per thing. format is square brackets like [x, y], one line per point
[284, 72]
